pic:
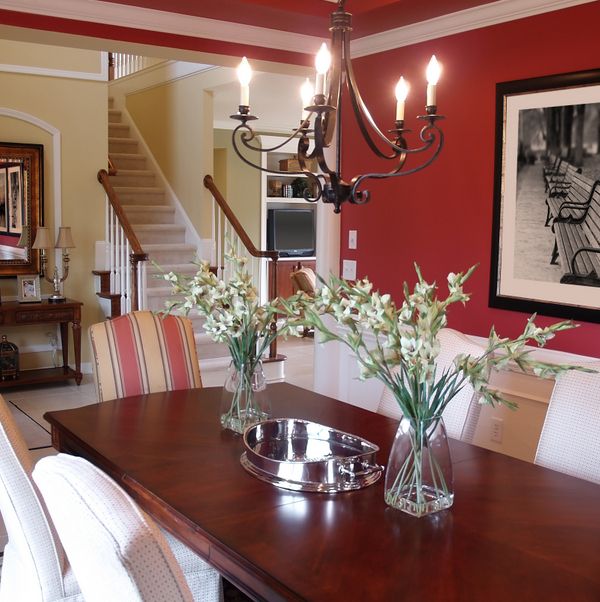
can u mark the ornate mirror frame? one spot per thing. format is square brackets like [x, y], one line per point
[21, 206]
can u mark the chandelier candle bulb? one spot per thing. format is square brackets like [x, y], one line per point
[433, 75]
[244, 73]
[401, 94]
[322, 63]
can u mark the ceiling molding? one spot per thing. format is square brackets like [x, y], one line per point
[458, 22]
[110, 13]
[95, 11]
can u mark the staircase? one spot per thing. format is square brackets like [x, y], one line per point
[152, 218]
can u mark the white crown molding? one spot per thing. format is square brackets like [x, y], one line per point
[458, 22]
[95, 11]
[110, 13]
[101, 75]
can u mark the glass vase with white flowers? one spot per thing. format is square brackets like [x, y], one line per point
[234, 316]
[403, 357]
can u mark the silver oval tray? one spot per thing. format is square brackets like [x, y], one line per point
[306, 456]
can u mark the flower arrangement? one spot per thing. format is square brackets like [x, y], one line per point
[404, 356]
[234, 316]
[406, 343]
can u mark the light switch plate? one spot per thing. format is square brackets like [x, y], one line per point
[352, 239]
[349, 269]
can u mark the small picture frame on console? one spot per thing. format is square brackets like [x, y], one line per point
[28, 289]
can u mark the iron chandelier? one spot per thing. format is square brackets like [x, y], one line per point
[324, 105]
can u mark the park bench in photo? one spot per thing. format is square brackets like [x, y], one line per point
[572, 200]
[577, 241]
[558, 184]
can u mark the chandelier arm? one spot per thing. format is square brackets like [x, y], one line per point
[360, 197]
[429, 137]
[360, 109]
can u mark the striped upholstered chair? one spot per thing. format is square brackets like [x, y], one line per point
[143, 352]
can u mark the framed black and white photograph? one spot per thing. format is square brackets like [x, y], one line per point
[3, 200]
[28, 289]
[546, 224]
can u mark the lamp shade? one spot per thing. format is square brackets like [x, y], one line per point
[42, 238]
[24, 240]
[64, 239]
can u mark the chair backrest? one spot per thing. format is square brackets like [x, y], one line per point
[304, 279]
[34, 563]
[462, 412]
[569, 439]
[116, 551]
[142, 352]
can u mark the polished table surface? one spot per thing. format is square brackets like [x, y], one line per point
[516, 531]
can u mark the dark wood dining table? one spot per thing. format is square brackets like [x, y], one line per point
[516, 532]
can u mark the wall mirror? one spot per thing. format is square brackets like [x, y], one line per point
[21, 206]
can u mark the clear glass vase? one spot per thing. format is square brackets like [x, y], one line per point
[245, 399]
[418, 477]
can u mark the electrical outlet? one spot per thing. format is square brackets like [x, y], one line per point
[352, 239]
[349, 269]
[497, 425]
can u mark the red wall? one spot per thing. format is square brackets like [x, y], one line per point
[441, 218]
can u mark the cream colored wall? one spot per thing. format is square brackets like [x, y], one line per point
[242, 191]
[175, 120]
[49, 57]
[78, 109]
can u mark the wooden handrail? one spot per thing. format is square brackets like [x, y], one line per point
[233, 220]
[239, 230]
[137, 253]
[136, 247]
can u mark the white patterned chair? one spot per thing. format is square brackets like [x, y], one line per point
[569, 441]
[462, 413]
[34, 566]
[123, 555]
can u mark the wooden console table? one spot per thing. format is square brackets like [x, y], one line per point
[13, 313]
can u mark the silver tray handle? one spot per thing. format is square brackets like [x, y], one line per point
[346, 469]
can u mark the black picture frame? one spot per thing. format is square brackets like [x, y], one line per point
[520, 280]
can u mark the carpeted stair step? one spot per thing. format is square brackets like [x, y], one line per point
[133, 177]
[118, 130]
[170, 253]
[128, 161]
[137, 195]
[114, 116]
[150, 214]
[160, 233]
[122, 145]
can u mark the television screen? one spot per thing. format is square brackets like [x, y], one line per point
[291, 232]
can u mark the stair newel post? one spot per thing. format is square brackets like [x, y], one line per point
[134, 259]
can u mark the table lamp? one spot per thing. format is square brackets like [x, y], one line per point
[64, 241]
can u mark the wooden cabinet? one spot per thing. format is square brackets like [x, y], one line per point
[13, 313]
[284, 268]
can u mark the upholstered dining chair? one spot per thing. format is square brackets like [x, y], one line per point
[569, 439]
[143, 352]
[462, 412]
[34, 567]
[123, 555]
[304, 279]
